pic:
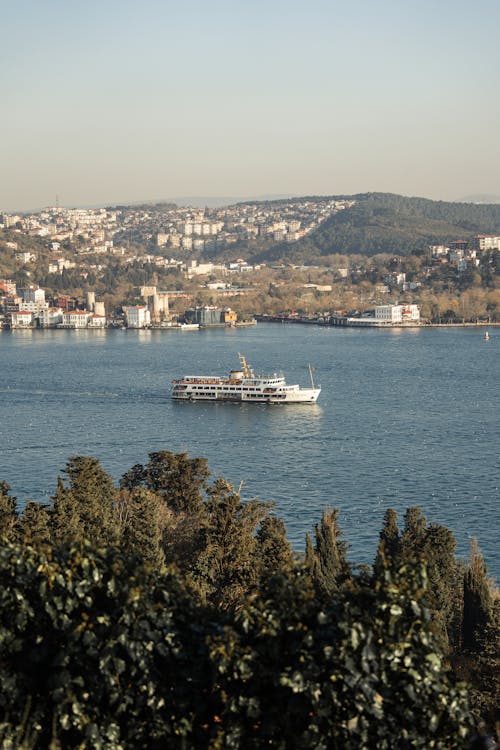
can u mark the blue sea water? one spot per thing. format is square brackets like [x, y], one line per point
[405, 417]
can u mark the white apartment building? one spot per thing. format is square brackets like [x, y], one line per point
[76, 319]
[50, 317]
[137, 316]
[33, 294]
[487, 242]
[96, 321]
[21, 319]
[34, 307]
[397, 313]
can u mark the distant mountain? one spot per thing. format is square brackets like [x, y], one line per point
[388, 223]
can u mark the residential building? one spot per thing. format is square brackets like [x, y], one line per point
[96, 321]
[50, 317]
[21, 319]
[76, 319]
[397, 313]
[137, 316]
[33, 294]
[8, 287]
[487, 242]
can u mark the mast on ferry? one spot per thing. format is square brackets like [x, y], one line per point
[311, 376]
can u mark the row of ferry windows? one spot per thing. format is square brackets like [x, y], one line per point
[213, 388]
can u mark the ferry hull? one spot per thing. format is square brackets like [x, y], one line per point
[304, 396]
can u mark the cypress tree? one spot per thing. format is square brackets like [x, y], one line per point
[330, 568]
[478, 605]
[225, 568]
[65, 524]
[413, 533]
[309, 556]
[8, 514]
[179, 480]
[34, 528]
[85, 508]
[273, 552]
[389, 546]
[141, 533]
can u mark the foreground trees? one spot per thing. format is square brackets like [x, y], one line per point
[98, 652]
[169, 612]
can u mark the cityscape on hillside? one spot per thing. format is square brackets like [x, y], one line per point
[151, 266]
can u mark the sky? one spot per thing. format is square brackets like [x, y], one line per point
[106, 102]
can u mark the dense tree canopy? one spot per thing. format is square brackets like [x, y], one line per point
[172, 613]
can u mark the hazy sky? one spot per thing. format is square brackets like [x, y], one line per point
[106, 101]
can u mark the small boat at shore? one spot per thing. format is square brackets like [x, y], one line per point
[486, 336]
[243, 386]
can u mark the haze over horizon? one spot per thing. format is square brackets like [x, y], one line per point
[117, 102]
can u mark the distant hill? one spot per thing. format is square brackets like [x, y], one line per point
[481, 198]
[388, 223]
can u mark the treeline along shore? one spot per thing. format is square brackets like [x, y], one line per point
[167, 612]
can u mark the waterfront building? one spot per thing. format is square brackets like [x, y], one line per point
[50, 317]
[137, 316]
[210, 316]
[96, 321]
[397, 314]
[76, 319]
[34, 307]
[21, 319]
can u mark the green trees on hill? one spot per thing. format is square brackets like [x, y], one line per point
[388, 223]
[169, 612]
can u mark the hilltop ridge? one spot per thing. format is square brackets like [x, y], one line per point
[389, 223]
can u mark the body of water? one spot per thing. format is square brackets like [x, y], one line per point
[405, 417]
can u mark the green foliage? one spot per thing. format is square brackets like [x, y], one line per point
[273, 552]
[179, 479]
[140, 526]
[478, 605]
[34, 525]
[8, 513]
[435, 546]
[225, 568]
[328, 561]
[388, 223]
[85, 508]
[362, 672]
[389, 548]
[105, 654]
[102, 645]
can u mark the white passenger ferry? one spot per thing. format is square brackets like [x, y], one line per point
[243, 385]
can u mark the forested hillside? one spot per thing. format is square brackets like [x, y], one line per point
[387, 223]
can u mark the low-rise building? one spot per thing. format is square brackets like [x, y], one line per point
[76, 319]
[51, 317]
[137, 316]
[21, 319]
[96, 321]
[487, 242]
[397, 313]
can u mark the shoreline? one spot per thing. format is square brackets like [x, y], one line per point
[265, 319]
